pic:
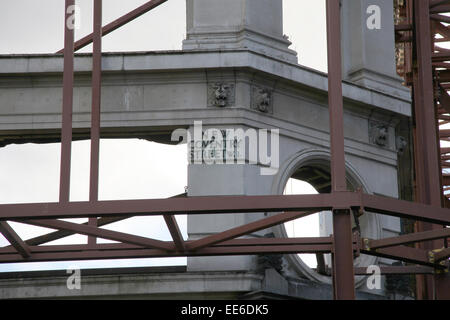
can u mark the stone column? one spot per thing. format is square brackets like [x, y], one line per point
[255, 25]
[227, 25]
[368, 45]
[224, 180]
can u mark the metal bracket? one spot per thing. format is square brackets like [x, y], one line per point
[366, 244]
[431, 256]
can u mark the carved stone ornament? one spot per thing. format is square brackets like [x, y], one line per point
[379, 134]
[220, 95]
[401, 144]
[262, 100]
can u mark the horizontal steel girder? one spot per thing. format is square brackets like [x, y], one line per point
[228, 204]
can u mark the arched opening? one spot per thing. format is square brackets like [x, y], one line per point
[308, 172]
[314, 225]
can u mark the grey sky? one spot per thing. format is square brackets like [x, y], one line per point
[129, 169]
[35, 26]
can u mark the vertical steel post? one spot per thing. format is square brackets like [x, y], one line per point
[95, 112]
[424, 107]
[343, 247]
[427, 167]
[442, 286]
[66, 129]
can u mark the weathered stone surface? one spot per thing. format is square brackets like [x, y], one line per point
[368, 45]
[255, 25]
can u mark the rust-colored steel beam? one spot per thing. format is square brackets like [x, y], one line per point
[73, 247]
[447, 118]
[246, 229]
[443, 31]
[116, 24]
[228, 204]
[229, 243]
[409, 238]
[403, 27]
[104, 251]
[440, 56]
[444, 133]
[442, 281]
[188, 205]
[275, 241]
[404, 39]
[440, 18]
[14, 239]
[95, 110]
[101, 233]
[56, 235]
[67, 107]
[406, 209]
[443, 75]
[425, 114]
[443, 8]
[343, 277]
[231, 247]
[445, 39]
[441, 65]
[175, 232]
[441, 255]
[434, 3]
[335, 100]
[361, 271]
[441, 111]
[428, 169]
[403, 253]
[252, 250]
[444, 99]
[343, 255]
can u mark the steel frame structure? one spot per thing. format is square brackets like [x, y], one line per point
[429, 261]
[422, 27]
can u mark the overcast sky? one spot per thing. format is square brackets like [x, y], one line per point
[130, 169]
